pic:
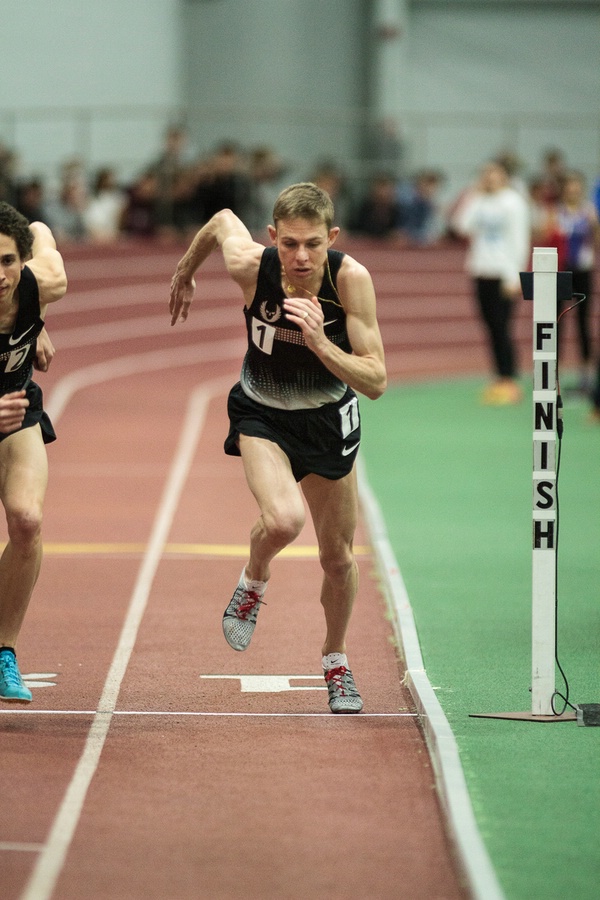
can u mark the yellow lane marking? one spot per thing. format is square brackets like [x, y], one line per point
[230, 550]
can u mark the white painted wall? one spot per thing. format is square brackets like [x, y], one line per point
[489, 76]
[284, 73]
[90, 77]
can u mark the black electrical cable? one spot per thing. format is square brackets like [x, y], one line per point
[559, 432]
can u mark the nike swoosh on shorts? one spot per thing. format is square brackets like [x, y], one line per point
[346, 451]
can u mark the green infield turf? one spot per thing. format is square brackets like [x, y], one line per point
[453, 479]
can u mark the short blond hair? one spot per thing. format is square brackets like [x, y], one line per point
[304, 201]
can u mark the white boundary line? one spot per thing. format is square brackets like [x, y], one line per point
[443, 749]
[50, 862]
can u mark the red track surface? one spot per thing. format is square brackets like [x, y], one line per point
[146, 767]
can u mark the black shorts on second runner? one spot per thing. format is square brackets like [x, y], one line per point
[322, 441]
[35, 413]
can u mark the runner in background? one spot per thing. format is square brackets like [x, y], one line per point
[31, 276]
[313, 340]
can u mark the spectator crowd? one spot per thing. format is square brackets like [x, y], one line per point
[179, 190]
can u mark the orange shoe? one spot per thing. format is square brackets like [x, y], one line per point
[593, 417]
[504, 392]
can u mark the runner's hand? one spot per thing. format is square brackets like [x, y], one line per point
[182, 293]
[308, 315]
[44, 352]
[12, 411]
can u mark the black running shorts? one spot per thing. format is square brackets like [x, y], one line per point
[322, 441]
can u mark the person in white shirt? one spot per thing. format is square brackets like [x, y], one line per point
[104, 212]
[494, 217]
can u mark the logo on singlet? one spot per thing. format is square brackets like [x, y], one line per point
[270, 311]
[15, 340]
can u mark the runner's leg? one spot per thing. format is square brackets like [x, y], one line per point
[270, 478]
[23, 480]
[334, 509]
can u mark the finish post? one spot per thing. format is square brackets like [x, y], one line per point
[545, 418]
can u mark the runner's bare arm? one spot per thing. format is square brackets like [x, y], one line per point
[364, 368]
[47, 265]
[240, 253]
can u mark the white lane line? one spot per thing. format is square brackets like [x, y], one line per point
[136, 363]
[48, 712]
[209, 715]
[441, 742]
[140, 327]
[83, 300]
[50, 862]
[20, 847]
[97, 270]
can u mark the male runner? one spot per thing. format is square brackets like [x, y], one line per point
[313, 340]
[32, 275]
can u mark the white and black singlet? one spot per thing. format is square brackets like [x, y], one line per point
[279, 370]
[285, 393]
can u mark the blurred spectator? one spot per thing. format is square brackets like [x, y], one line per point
[8, 177]
[330, 178]
[420, 211]
[545, 229]
[596, 196]
[170, 172]
[73, 176]
[553, 175]
[31, 200]
[495, 220]
[139, 213]
[66, 212]
[222, 183]
[578, 224]
[104, 211]
[265, 170]
[379, 213]
[385, 147]
[513, 167]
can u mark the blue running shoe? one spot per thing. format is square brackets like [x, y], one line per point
[12, 689]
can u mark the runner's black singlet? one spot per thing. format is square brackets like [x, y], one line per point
[17, 350]
[17, 353]
[279, 370]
